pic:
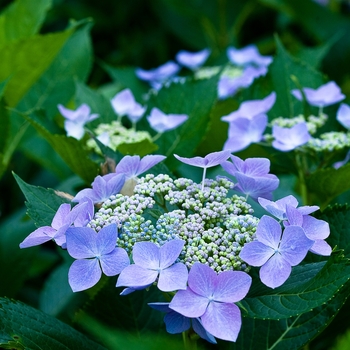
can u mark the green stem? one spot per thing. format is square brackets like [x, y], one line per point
[301, 177]
[190, 343]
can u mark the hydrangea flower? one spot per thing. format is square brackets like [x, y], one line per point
[94, 252]
[242, 132]
[252, 176]
[247, 55]
[63, 218]
[250, 109]
[192, 60]
[228, 86]
[287, 139]
[274, 252]
[157, 76]
[75, 120]
[343, 115]
[152, 262]
[211, 297]
[315, 229]
[124, 103]
[324, 96]
[177, 323]
[210, 160]
[279, 208]
[102, 189]
[162, 122]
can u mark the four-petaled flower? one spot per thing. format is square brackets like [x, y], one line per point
[324, 96]
[287, 139]
[124, 103]
[152, 262]
[252, 176]
[95, 252]
[162, 122]
[102, 189]
[274, 252]
[210, 160]
[211, 297]
[247, 55]
[75, 120]
[63, 218]
[192, 60]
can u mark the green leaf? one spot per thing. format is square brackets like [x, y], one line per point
[292, 333]
[338, 218]
[22, 19]
[42, 203]
[72, 151]
[140, 148]
[23, 327]
[328, 183]
[13, 260]
[284, 71]
[304, 297]
[194, 98]
[126, 77]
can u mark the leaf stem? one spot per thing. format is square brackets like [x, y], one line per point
[301, 177]
[190, 343]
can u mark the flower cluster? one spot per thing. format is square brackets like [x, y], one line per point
[195, 242]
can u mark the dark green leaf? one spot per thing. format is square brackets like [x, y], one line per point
[23, 327]
[304, 297]
[42, 203]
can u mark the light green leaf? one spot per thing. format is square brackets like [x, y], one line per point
[22, 19]
[23, 327]
[140, 148]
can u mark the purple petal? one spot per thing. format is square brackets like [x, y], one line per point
[202, 280]
[115, 262]
[222, 320]
[149, 161]
[257, 166]
[256, 253]
[83, 274]
[247, 55]
[287, 139]
[135, 276]
[75, 130]
[83, 213]
[306, 209]
[106, 239]
[128, 166]
[343, 115]
[169, 252]
[294, 245]
[81, 242]
[86, 193]
[314, 228]
[176, 323]
[321, 247]
[62, 216]
[231, 286]
[173, 278]
[39, 236]
[216, 158]
[278, 208]
[269, 232]
[200, 330]
[275, 272]
[124, 103]
[294, 216]
[161, 122]
[188, 303]
[195, 161]
[159, 74]
[114, 185]
[192, 60]
[147, 255]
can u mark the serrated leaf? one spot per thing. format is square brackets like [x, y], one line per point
[194, 98]
[23, 327]
[302, 298]
[42, 203]
[282, 71]
[292, 333]
[22, 19]
[328, 183]
[338, 218]
[71, 150]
